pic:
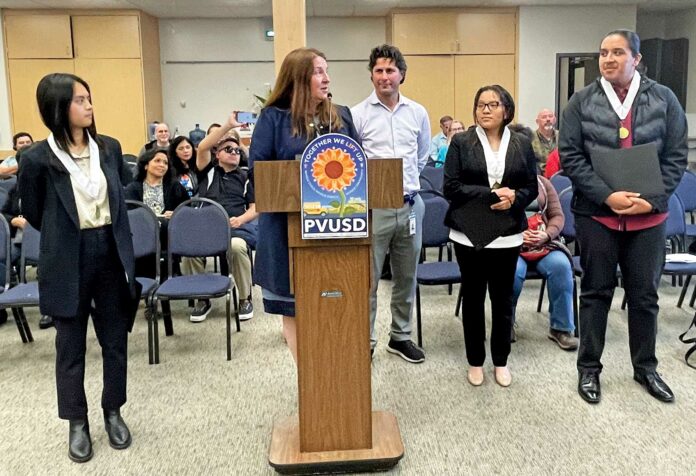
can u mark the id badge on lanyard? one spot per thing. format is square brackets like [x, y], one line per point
[412, 222]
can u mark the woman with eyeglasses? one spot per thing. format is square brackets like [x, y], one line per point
[298, 110]
[70, 191]
[455, 128]
[490, 178]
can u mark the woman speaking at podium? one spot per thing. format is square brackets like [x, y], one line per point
[71, 192]
[298, 110]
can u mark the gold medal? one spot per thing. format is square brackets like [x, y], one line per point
[623, 133]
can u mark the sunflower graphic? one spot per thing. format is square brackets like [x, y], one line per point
[334, 170]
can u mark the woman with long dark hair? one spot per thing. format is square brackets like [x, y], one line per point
[297, 111]
[182, 157]
[490, 178]
[70, 191]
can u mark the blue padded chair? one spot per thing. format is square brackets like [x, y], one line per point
[8, 183]
[686, 191]
[199, 227]
[24, 294]
[435, 233]
[145, 231]
[560, 182]
[675, 229]
[435, 176]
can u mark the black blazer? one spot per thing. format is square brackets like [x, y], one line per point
[466, 187]
[174, 193]
[48, 203]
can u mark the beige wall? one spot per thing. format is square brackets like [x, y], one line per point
[239, 63]
[5, 125]
[545, 31]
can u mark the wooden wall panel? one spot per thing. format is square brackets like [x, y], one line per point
[117, 91]
[38, 36]
[430, 81]
[116, 36]
[24, 77]
[472, 72]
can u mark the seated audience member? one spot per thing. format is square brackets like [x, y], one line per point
[545, 138]
[182, 157]
[553, 164]
[156, 187]
[454, 128]
[439, 139]
[212, 127]
[161, 140]
[554, 266]
[13, 215]
[19, 141]
[244, 155]
[225, 183]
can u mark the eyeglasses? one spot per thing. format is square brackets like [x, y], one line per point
[493, 105]
[231, 150]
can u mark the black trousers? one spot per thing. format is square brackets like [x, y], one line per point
[640, 256]
[492, 268]
[103, 294]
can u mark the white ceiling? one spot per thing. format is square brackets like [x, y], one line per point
[325, 8]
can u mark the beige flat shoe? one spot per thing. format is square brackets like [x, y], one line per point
[503, 377]
[475, 376]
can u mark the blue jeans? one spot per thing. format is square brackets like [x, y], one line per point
[555, 267]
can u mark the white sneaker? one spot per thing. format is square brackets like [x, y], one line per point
[200, 311]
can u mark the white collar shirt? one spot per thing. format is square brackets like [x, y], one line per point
[403, 132]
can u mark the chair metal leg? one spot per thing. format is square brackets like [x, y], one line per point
[235, 299]
[459, 301]
[20, 326]
[155, 331]
[27, 330]
[541, 295]
[167, 318]
[418, 316]
[687, 281]
[693, 297]
[229, 327]
[149, 312]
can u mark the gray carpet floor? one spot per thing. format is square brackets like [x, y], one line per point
[197, 413]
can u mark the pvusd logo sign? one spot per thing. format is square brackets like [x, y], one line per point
[334, 188]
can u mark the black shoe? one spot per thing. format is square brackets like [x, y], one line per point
[3, 316]
[79, 441]
[119, 435]
[246, 310]
[407, 350]
[200, 311]
[655, 386]
[45, 322]
[589, 388]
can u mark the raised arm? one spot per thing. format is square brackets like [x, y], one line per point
[204, 155]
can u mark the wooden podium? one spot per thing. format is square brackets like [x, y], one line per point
[336, 430]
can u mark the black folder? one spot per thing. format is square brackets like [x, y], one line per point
[636, 169]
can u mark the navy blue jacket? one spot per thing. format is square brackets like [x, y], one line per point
[273, 140]
[48, 203]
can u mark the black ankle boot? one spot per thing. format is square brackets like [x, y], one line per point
[119, 435]
[79, 441]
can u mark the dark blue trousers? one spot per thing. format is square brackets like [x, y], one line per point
[640, 256]
[103, 294]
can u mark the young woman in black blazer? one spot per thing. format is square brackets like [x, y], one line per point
[70, 190]
[490, 178]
